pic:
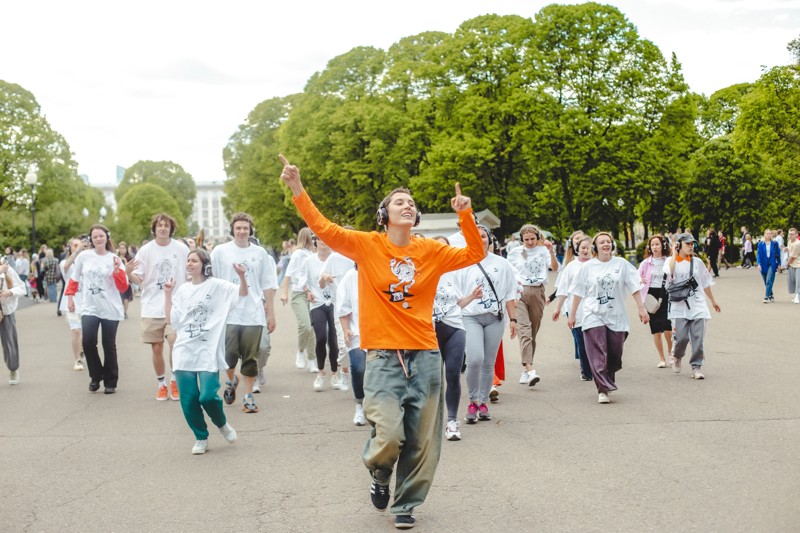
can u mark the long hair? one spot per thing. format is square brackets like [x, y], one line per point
[666, 250]
[110, 246]
[304, 239]
[572, 249]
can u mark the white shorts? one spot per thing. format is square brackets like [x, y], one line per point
[74, 320]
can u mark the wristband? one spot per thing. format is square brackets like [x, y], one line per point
[514, 320]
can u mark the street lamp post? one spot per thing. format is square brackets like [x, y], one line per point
[32, 179]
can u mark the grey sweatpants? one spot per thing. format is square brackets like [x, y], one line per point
[8, 337]
[794, 280]
[687, 331]
[484, 333]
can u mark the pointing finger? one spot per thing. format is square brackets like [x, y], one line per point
[283, 160]
[458, 189]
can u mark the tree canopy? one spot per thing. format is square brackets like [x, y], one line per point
[168, 175]
[137, 207]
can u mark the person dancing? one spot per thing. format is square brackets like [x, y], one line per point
[403, 394]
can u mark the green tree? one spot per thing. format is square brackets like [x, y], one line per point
[136, 209]
[252, 167]
[168, 175]
[718, 113]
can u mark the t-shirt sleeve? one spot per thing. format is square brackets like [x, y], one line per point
[178, 312]
[297, 263]
[141, 257]
[269, 273]
[633, 280]
[344, 304]
[77, 269]
[577, 285]
[510, 278]
[702, 274]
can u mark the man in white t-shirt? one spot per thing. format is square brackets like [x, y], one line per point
[247, 320]
[159, 261]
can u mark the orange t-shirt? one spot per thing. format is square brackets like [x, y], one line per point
[396, 284]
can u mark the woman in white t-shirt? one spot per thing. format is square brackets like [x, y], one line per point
[489, 290]
[98, 275]
[73, 318]
[689, 316]
[652, 272]
[599, 292]
[581, 249]
[198, 311]
[296, 281]
[346, 307]
[321, 294]
[531, 262]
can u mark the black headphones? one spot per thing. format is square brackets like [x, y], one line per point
[695, 246]
[613, 242]
[252, 227]
[205, 259]
[314, 240]
[100, 227]
[382, 216]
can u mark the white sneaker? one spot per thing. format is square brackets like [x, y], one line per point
[300, 362]
[319, 382]
[676, 364]
[603, 398]
[78, 365]
[256, 388]
[696, 374]
[228, 432]
[533, 378]
[13, 378]
[312, 367]
[262, 378]
[451, 432]
[796, 299]
[200, 447]
[335, 383]
[344, 382]
[359, 419]
[523, 379]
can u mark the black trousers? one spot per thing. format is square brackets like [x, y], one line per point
[106, 371]
[325, 331]
[712, 258]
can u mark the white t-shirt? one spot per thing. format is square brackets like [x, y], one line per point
[337, 266]
[157, 265]
[76, 299]
[657, 279]
[94, 274]
[260, 272]
[565, 280]
[313, 272]
[457, 240]
[503, 277]
[199, 316]
[445, 303]
[297, 269]
[347, 304]
[603, 287]
[697, 307]
[530, 264]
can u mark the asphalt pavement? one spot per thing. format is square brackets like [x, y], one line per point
[668, 454]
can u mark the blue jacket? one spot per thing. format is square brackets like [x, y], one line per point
[765, 264]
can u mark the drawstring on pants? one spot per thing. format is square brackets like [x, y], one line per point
[402, 363]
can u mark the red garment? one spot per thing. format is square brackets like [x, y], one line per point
[500, 364]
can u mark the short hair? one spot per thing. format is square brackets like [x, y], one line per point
[242, 217]
[159, 217]
[388, 197]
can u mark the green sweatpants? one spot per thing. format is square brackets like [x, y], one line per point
[195, 398]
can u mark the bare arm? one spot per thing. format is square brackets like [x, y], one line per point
[269, 308]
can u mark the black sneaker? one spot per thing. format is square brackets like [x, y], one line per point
[94, 386]
[379, 495]
[404, 521]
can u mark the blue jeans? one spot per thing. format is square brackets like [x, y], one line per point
[580, 352]
[52, 292]
[769, 280]
[406, 418]
[358, 361]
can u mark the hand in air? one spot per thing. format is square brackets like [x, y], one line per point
[460, 202]
[291, 176]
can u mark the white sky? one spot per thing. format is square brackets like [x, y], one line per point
[173, 79]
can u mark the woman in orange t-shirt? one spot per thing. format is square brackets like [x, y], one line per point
[397, 281]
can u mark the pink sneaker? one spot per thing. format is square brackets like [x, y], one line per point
[472, 413]
[483, 412]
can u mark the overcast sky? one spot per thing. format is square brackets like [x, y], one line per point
[172, 80]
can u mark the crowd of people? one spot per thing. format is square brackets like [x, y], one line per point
[395, 317]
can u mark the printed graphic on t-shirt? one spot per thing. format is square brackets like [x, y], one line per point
[605, 289]
[405, 272]
[488, 300]
[535, 269]
[326, 293]
[95, 279]
[198, 316]
[164, 269]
